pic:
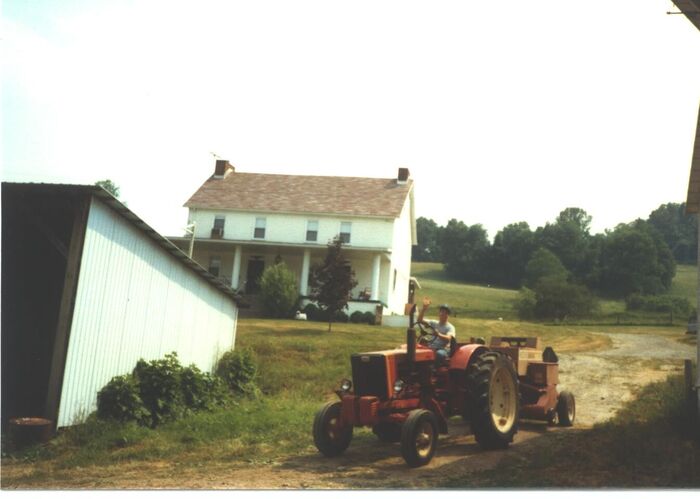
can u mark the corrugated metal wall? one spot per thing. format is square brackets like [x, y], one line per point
[134, 300]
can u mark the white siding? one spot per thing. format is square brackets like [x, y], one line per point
[283, 228]
[133, 301]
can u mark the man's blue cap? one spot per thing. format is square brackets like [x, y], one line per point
[445, 306]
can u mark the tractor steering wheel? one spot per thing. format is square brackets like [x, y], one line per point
[426, 335]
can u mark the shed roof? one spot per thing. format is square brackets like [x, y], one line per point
[691, 9]
[349, 196]
[692, 204]
[136, 221]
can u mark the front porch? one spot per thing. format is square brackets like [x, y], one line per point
[240, 265]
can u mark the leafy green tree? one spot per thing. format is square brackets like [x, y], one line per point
[331, 281]
[544, 263]
[427, 249]
[465, 250]
[678, 230]
[278, 290]
[511, 250]
[569, 239]
[109, 186]
[635, 259]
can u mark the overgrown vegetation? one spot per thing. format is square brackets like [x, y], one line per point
[163, 390]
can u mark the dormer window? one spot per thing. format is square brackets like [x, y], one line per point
[312, 231]
[259, 232]
[345, 229]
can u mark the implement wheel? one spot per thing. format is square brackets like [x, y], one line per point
[419, 436]
[330, 437]
[566, 408]
[495, 400]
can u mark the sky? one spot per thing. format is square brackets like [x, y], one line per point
[502, 111]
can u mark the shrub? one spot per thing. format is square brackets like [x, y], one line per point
[201, 391]
[525, 303]
[357, 317]
[238, 370]
[340, 316]
[160, 387]
[558, 299]
[369, 318]
[312, 312]
[120, 400]
[659, 303]
[278, 291]
[160, 390]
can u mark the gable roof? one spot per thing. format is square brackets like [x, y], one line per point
[350, 196]
[692, 204]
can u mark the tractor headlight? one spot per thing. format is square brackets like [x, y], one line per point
[346, 385]
[398, 385]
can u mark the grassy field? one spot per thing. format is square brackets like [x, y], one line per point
[491, 303]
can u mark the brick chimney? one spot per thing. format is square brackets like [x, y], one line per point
[403, 176]
[223, 168]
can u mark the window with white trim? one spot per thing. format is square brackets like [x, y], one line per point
[259, 232]
[345, 230]
[312, 231]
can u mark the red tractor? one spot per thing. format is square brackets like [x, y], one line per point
[405, 397]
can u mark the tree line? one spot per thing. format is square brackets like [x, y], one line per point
[563, 259]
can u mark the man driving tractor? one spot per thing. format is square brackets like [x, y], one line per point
[444, 331]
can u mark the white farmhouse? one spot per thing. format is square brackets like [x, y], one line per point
[244, 222]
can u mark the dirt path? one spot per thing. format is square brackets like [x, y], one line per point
[601, 381]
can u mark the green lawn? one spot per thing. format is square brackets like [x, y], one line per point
[464, 299]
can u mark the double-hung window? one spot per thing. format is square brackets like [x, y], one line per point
[345, 229]
[259, 232]
[312, 231]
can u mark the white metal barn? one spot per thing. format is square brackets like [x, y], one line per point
[88, 288]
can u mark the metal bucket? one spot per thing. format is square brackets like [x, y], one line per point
[30, 431]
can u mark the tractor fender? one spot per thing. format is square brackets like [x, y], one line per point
[464, 355]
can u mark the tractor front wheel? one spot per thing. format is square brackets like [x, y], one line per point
[495, 400]
[566, 408]
[419, 436]
[331, 438]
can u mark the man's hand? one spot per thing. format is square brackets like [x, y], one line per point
[426, 302]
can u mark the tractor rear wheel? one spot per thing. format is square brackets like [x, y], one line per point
[566, 408]
[495, 400]
[330, 437]
[387, 432]
[419, 435]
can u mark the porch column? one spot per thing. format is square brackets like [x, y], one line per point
[376, 266]
[305, 265]
[235, 277]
